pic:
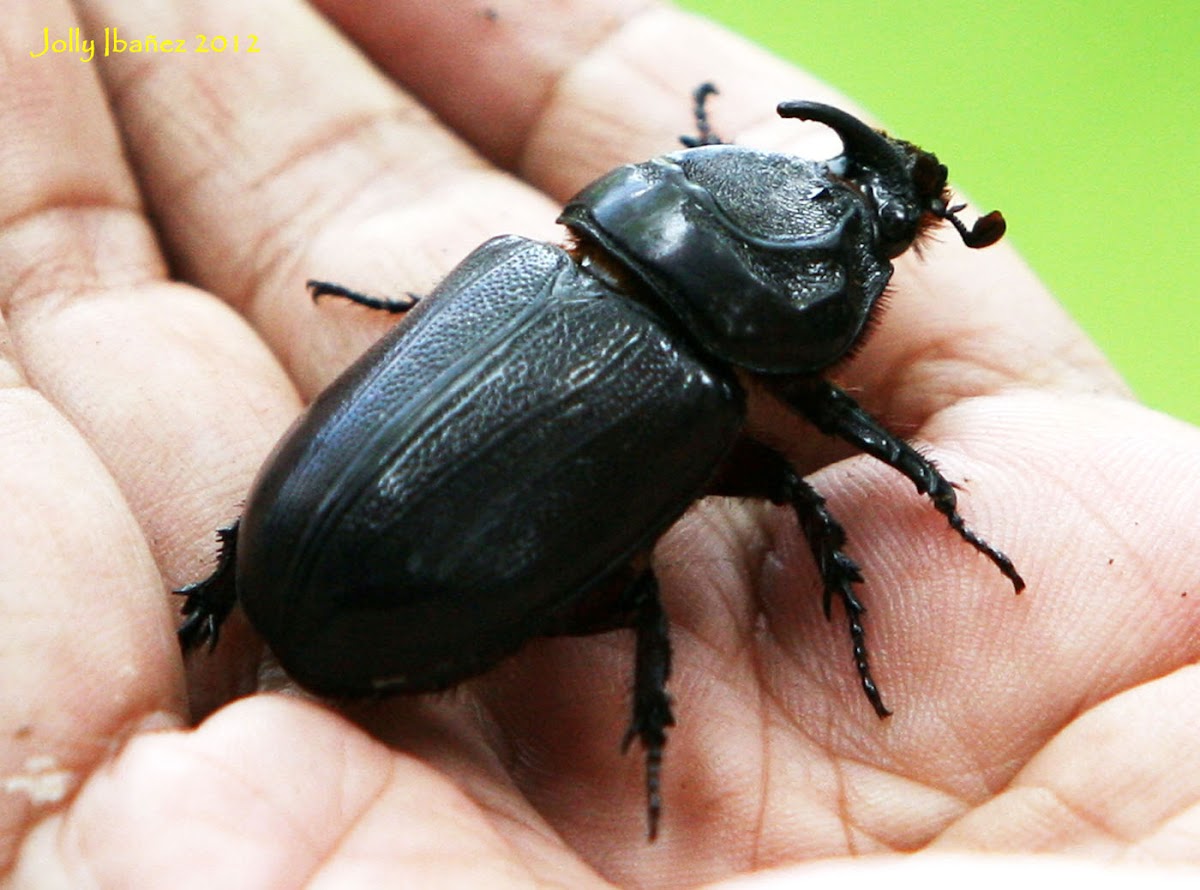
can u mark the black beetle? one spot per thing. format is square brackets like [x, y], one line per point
[499, 465]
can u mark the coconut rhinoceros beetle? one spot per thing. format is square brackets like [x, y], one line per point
[499, 466]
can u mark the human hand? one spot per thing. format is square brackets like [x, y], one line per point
[139, 407]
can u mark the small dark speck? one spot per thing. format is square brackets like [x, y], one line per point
[490, 13]
[1183, 594]
[1110, 560]
[23, 731]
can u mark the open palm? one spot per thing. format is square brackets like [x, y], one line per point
[161, 213]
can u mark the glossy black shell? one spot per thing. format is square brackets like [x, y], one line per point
[476, 474]
[771, 262]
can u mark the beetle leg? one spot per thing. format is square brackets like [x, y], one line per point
[651, 704]
[394, 305]
[754, 469]
[839, 572]
[835, 413]
[703, 128]
[210, 601]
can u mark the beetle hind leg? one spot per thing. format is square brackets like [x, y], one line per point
[394, 305]
[209, 602]
[651, 703]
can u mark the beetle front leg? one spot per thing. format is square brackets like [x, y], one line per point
[651, 704]
[394, 305]
[705, 135]
[210, 601]
[835, 413]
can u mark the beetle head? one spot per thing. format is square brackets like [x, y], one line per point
[906, 184]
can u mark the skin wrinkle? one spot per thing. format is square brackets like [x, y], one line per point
[552, 94]
[1095, 516]
[967, 800]
[275, 257]
[350, 826]
[841, 805]
[498, 815]
[759, 831]
[719, 517]
[778, 641]
[135, 81]
[72, 197]
[951, 783]
[502, 765]
[364, 811]
[127, 88]
[498, 746]
[1029, 795]
[177, 193]
[729, 676]
[110, 769]
[1136, 854]
[1086, 700]
[972, 374]
[356, 133]
[803, 727]
[210, 764]
[373, 194]
[800, 728]
[1080, 814]
[267, 256]
[48, 299]
[727, 529]
[83, 204]
[762, 623]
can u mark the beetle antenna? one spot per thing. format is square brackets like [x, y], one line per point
[988, 229]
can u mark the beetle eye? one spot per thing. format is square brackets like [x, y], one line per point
[896, 221]
[928, 175]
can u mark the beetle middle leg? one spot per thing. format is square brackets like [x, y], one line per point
[757, 470]
[835, 413]
[394, 305]
[838, 571]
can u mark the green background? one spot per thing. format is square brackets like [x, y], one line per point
[1078, 120]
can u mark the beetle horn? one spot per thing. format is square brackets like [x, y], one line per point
[867, 145]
